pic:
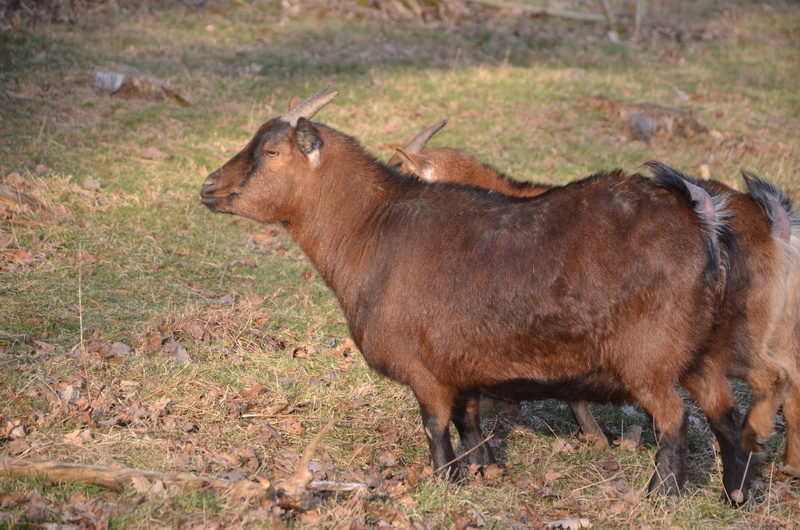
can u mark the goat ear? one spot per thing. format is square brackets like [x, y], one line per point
[409, 160]
[308, 139]
[294, 102]
[417, 164]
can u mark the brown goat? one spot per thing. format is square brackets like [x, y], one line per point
[605, 289]
[791, 320]
[454, 165]
[752, 315]
[784, 343]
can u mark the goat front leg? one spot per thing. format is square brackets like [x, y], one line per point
[436, 404]
[671, 423]
[466, 417]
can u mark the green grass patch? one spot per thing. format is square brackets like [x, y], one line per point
[137, 329]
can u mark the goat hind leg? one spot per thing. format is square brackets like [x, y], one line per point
[791, 413]
[714, 397]
[769, 385]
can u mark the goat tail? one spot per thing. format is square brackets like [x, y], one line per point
[777, 206]
[711, 209]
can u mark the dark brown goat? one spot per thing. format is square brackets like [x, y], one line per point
[446, 164]
[604, 289]
[752, 314]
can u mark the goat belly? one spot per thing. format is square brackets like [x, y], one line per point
[590, 388]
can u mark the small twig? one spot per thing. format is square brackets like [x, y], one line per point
[305, 417]
[303, 474]
[17, 400]
[80, 313]
[327, 485]
[293, 492]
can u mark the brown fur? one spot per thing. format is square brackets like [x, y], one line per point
[762, 353]
[598, 290]
[445, 164]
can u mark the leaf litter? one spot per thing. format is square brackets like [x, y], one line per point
[114, 402]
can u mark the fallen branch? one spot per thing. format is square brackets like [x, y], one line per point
[116, 478]
[295, 492]
[538, 10]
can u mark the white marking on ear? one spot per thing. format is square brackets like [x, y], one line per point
[313, 158]
[426, 173]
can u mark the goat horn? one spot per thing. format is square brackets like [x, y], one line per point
[419, 141]
[310, 106]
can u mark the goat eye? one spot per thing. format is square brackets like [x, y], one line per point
[271, 153]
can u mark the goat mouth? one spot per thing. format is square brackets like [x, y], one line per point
[213, 202]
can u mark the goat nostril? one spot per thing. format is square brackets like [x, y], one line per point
[209, 185]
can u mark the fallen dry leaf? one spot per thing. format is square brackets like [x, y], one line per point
[18, 446]
[153, 344]
[13, 429]
[79, 437]
[251, 393]
[91, 184]
[176, 352]
[389, 435]
[551, 476]
[280, 408]
[7, 500]
[607, 463]
[152, 153]
[388, 459]
[563, 446]
[346, 349]
[84, 256]
[44, 346]
[292, 426]
[631, 438]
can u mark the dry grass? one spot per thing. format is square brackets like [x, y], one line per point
[236, 354]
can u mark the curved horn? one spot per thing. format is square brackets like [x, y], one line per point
[310, 106]
[419, 141]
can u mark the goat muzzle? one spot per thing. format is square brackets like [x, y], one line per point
[207, 193]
